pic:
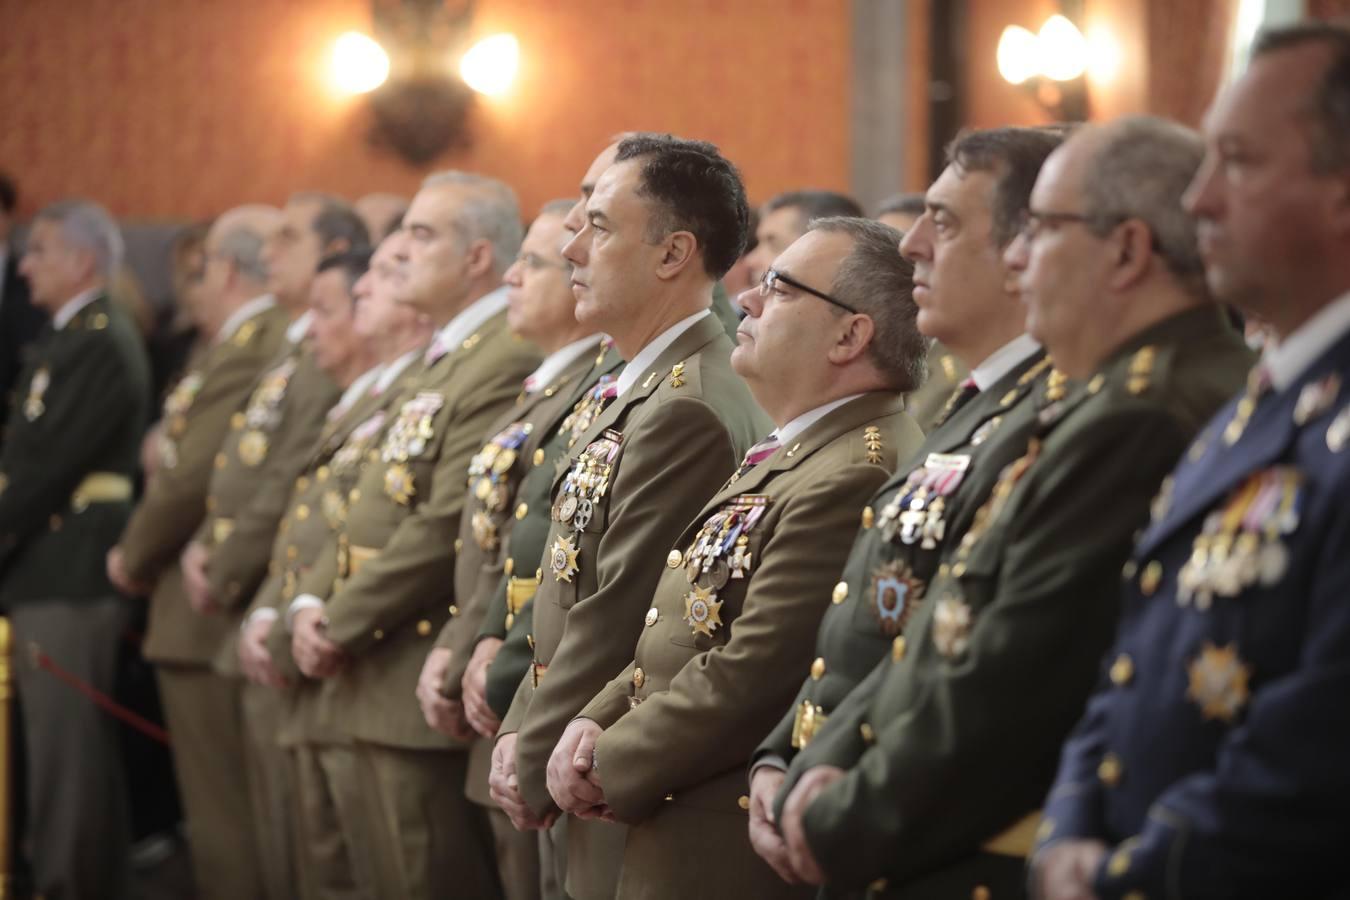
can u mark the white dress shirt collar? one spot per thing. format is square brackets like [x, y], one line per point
[554, 364]
[792, 429]
[73, 306]
[1287, 360]
[296, 331]
[655, 347]
[241, 315]
[1004, 360]
[389, 373]
[471, 318]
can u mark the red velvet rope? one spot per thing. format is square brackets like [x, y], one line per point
[42, 661]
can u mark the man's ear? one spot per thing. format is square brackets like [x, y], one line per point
[479, 258]
[1134, 253]
[853, 340]
[680, 250]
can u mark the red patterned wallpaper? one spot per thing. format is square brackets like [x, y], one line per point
[181, 108]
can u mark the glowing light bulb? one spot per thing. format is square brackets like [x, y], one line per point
[1104, 52]
[490, 65]
[359, 63]
[1017, 50]
[1062, 49]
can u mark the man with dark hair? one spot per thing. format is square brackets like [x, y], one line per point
[784, 219]
[827, 346]
[66, 474]
[331, 853]
[268, 443]
[247, 331]
[1004, 649]
[314, 225]
[20, 319]
[663, 224]
[901, 211]
[961, 288]
[1209, 762]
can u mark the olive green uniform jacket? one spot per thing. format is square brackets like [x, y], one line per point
[647, 463]
[79, 411]
[715, 665]
[268, 443]
[956, 739]
[196, 420]
[394, 551]
[889, 567]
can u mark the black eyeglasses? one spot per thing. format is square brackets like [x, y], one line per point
[772, 276]
[1032, 223]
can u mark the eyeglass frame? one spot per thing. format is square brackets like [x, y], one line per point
[772, 275]
[1028, 232]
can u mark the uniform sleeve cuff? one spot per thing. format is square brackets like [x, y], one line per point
[304, 601]
[261, 614]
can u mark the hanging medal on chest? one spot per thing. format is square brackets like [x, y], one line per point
[719, 553]
[411, 432]
[490, 465]
[916, 514]
[361, 438]
[1242, 544]
[588, 409]
[587, 481]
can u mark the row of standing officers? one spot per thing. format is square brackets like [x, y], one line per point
[452, 595]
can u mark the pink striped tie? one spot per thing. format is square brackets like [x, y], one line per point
[435, 351]
[758, 453]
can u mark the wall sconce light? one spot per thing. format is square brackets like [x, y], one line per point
[420, 77]
[1049, 65]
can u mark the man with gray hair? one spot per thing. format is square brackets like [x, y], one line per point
[368, 612]
[65, 492]
[930, 773]
[201, 709]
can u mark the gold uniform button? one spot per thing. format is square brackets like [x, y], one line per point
[652, 616]
[220, 460]
[1128, 572]
[302, 512]
[868, 735]
[237, 421]
[322, 473]
[508, 567]
[424, 628]
[454, 610]
[868, 516]
[379, 634]
[1152, 577]
[674, 559]
[743, 802]
[459, 544]
[958, 570]
[522, 510]
[980, 893]
[1110, 770]
[898, 648]
[529, 639]
[639, 678]
[1119, 863]
[1122, 670]
[302, 484]
[539, 457]
[818, 668]
[840, 593]
[354, 495]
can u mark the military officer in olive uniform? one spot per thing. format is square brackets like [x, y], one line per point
[929, 773]
[1210, 760]
[540, 309]
[642, 463]
[65, 494]
[201, 709]
[268, 444]
[827, 347]
[394, 551]
[331, 852]
[964, 298]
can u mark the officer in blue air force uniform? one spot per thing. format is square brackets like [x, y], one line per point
[1211, 761]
